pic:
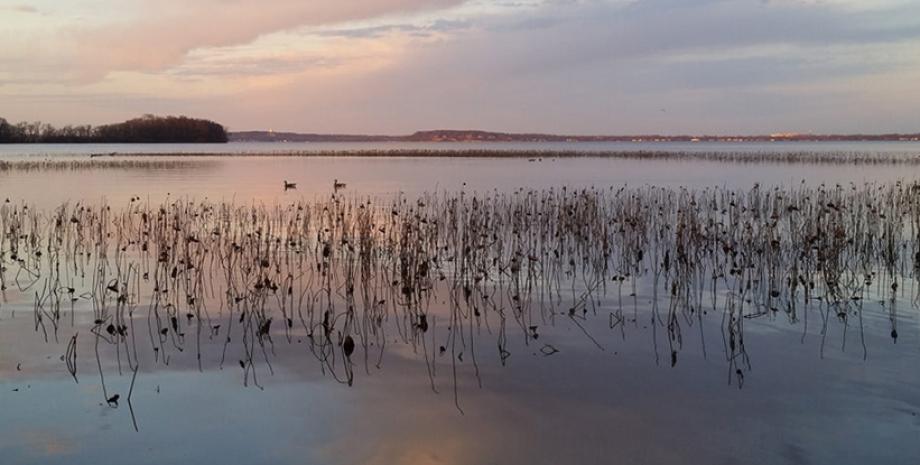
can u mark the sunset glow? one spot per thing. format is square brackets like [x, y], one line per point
[395, 66]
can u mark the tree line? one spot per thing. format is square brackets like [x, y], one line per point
[146, 129]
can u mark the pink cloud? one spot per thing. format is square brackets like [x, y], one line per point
[21, 8]
[165, 31]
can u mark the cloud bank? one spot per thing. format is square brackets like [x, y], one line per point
[576, 66]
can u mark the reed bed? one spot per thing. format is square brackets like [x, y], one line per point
[345, 276]
[753, 157]
[78, 164]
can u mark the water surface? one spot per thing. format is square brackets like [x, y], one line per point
[810, 393]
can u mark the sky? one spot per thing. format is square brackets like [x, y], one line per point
[397, 66]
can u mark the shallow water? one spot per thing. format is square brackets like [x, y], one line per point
[260, 179]
[606, 396]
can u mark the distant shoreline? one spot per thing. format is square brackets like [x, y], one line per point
[486, 136]
[446, 142]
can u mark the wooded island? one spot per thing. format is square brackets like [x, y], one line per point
[146, 129]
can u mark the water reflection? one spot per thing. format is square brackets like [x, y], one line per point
[347, 277]
[578, 406]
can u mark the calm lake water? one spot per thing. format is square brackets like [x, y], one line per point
[259, 178]
[594, 390]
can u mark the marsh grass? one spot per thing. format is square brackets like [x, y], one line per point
[78, 164]
[345, 276]
[754, 157]
[159, 161]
